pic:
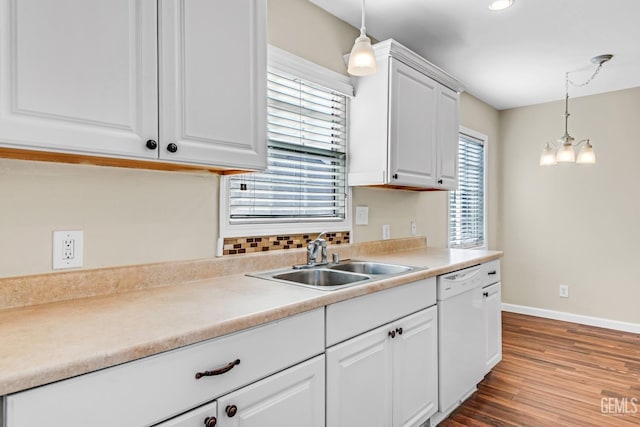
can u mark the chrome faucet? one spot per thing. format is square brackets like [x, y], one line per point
[312, 250]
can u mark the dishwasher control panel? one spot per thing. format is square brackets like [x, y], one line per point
[460, 281]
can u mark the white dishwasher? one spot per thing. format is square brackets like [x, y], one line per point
[461, 346]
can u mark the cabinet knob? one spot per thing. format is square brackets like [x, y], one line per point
[399, 331]
[485, 294]
[231, 411]
[439, 181]
[395, 176]
[210, 421]
[392, 334]
[151, 144]
[172, 148]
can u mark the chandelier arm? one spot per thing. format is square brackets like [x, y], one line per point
[582, 141]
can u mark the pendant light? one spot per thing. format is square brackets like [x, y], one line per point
[362, 61]
[500, 4]
[566, 152]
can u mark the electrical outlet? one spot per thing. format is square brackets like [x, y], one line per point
[414, 228]
[67, 249]
[564, 291]
[386, 232]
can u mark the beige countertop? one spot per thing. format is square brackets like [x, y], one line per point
[49, 342]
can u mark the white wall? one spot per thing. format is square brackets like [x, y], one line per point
[573, 224]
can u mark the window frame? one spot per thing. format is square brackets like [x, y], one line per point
[485, 206]
[278, 59]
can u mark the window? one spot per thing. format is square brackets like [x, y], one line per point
[467, 204]
[305, 181]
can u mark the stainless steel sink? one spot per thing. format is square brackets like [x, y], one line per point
[375, 268]
[336, 276]
[321, 277]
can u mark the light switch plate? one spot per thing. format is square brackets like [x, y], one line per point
[362, 215]
[67, 249]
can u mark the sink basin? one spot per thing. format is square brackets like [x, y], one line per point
[335, 276]
[375, 268]
[321, 277]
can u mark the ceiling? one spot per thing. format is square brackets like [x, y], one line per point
[517, 56]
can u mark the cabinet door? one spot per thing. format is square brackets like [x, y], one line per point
[415, 368]
[412, 127]
[79, 76]
[213, 82]
[359, 381]
[203, 416]
[492, 325]
[292, 398]
[448, 129]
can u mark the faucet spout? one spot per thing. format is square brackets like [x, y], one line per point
[312, 249]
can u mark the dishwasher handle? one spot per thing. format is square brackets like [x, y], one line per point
[462, 275]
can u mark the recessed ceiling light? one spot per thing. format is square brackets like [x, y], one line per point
[500, 4]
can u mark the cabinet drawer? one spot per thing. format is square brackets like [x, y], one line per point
[349, 318]
[155, 388]
[491, 272]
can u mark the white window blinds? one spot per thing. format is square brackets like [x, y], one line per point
[466, 205]
[305, 178]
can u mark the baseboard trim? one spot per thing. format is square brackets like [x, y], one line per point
[575, 318]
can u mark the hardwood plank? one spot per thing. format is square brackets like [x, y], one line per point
[557, 373]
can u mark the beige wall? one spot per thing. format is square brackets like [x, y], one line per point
[324, 39]
[572, 224]
[133, 216]
[128, 216]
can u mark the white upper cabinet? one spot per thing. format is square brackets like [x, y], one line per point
[175, 80]
[404, 123]
[213, 82]
[412, 135]
[79, 76]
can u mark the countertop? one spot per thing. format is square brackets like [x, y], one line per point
[50, 342]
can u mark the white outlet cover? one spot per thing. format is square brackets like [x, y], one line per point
[67, 249]
[362, 215]
[386, 232]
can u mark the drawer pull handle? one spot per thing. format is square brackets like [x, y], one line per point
[210, 422]
[492, 272]
[231, 411]
[220, 371]
[399, 331]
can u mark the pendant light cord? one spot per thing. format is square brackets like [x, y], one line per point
[593, 76]
[363, 30]
[566, 98]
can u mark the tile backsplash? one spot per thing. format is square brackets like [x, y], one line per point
[246, 245]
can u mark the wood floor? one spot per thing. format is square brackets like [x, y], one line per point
[557, 374]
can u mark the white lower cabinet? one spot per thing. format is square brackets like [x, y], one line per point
[147, 391]
[359, 381]
[492, 325]
[385, 377]
[415, 369]
[291, 398]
